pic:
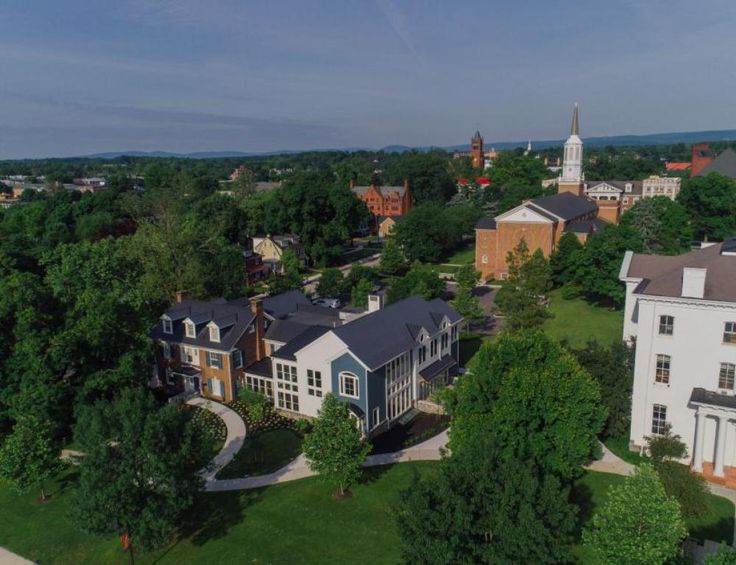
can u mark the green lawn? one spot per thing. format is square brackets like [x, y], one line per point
[469, 345]
[619, 446]
[293, 522]
[463, 255]
[577, 321]
[263, 453]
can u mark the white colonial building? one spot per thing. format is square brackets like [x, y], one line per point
[681, 316]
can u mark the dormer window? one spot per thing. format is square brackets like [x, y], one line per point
[189, 329]
[214, 334]
[628, 187]
[167, 325]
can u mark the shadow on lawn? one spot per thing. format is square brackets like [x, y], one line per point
[582, 497]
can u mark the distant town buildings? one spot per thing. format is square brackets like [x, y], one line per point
[680, 315]
[385, 200]
[480, 158]
[702, 155]
[271, 249]
[724, 164]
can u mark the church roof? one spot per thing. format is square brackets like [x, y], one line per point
[575, 127]
[477, 136]
[384, 190]
[565, 205]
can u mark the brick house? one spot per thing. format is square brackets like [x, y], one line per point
[204, 346]
[540, 222]
[385, 200]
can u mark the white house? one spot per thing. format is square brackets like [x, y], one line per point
[681, 316]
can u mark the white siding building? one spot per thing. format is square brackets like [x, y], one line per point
[681, 315]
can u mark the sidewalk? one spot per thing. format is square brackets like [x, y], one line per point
[10, 558]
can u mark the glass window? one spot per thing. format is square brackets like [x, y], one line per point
[214, 333]
[726, 376]
[375, 417]
[659, 419]
[662, 373]
[349, 385]
[729, 332]
[214, 359]
[189, 329]
[237, 358]
[314, 383]
[666, 325]
[168, 327]
[288, 401]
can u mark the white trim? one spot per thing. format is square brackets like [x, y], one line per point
[167, 322]
[341, 377]
[188, 324]
[213, 336]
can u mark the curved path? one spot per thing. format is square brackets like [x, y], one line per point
[234, 440]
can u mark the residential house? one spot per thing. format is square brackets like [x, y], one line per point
[271, 249]
[385, 200]
[386, 225]
[382, 364]
[203, 346]
[680, 315]
[255, 269]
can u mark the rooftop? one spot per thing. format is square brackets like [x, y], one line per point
[724, 164]
[565, 205]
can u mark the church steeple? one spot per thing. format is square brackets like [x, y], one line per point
[575, 128]
[571, 179]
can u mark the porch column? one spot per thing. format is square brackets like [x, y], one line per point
[697, 463]
[720, 446]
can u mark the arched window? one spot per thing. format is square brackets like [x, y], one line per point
[349, 385]
[484, 259]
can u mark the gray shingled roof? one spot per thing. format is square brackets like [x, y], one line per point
[486, 224]
[702, 396]
[566, 205]
[280, 305]
[378, 337]
[384, 190]
[262, 368]
[302, 340]
[593, 225]
[662, 274]
[233, 319]
[724, 164]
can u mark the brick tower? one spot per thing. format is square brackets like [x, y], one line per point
[476, 151]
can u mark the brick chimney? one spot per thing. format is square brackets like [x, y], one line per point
[181, 296]
[702, 155]
[406, 184]
[256, 307]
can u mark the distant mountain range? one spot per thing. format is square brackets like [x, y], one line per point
[687, 137]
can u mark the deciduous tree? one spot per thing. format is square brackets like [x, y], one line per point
[711, 203]
[334, 448]
[420, 280]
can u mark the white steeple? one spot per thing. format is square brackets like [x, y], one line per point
[528, 148]
[572, 163]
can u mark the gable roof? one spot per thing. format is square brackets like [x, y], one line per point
[288, 351]
[565, 205]
[486, 224]
[233, 319]
[378, 337]
[636, 185]
[285, 303]
[384, 190]
[724, 164]
[588, 226]
[662, 274]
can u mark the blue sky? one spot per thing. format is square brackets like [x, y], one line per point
[79, 77]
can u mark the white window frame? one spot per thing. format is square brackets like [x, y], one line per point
[215, 355]
[237, 358]
[669, 328]
[375, 417]
[729, 332]
[659, 419]
[190, 329]
[343, 378]
[727, 375]
[314, 383]
[214, 333]
[189, 355]
[662, 373]
[168, 325]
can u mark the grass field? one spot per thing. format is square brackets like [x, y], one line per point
[577, 321]
[463, 255]
[293, 522]
[263, 453]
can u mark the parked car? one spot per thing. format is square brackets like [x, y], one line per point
[327, 302]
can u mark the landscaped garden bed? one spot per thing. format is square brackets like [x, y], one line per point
[211, 430]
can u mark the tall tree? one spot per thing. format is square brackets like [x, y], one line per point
[467, 305]
[420, 280]
[638, 523]
[523, 298]
[711, 203]
[330, 283]
[334, 448]
[29, 457]
[290, 278]
[661, 225]
[138, 477]
[562, 261]
[392, 260]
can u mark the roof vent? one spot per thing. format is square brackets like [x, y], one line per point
[693, 282]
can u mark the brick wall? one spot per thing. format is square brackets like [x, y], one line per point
[701, 157]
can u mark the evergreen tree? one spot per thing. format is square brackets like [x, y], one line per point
[392, 260]
[562, 261]
[334, 448]
[465, 303]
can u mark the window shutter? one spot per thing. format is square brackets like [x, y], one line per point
[222, 389]
[209, 386]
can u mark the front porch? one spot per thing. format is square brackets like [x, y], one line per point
[713, 457]
[436, 376]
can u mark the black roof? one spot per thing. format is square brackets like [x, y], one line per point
[287, 327]
[702, 396]
[303, 339]
[233, 319]
[280, 305]
[431, 371]
[566, 205]
[486, 224]
[724, 164]
[378, 337]
[262, 368]
[729, 245]
[588, 226]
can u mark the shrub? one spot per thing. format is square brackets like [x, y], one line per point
[570, 292]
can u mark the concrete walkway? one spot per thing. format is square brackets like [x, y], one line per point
[235, 435]
[429, 450]
[610, 463]
[10, 558]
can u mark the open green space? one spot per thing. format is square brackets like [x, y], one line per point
[463, 255]
[296, 522]
[263, 453]
[619, 446]
[469, 345]
[577, 321]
